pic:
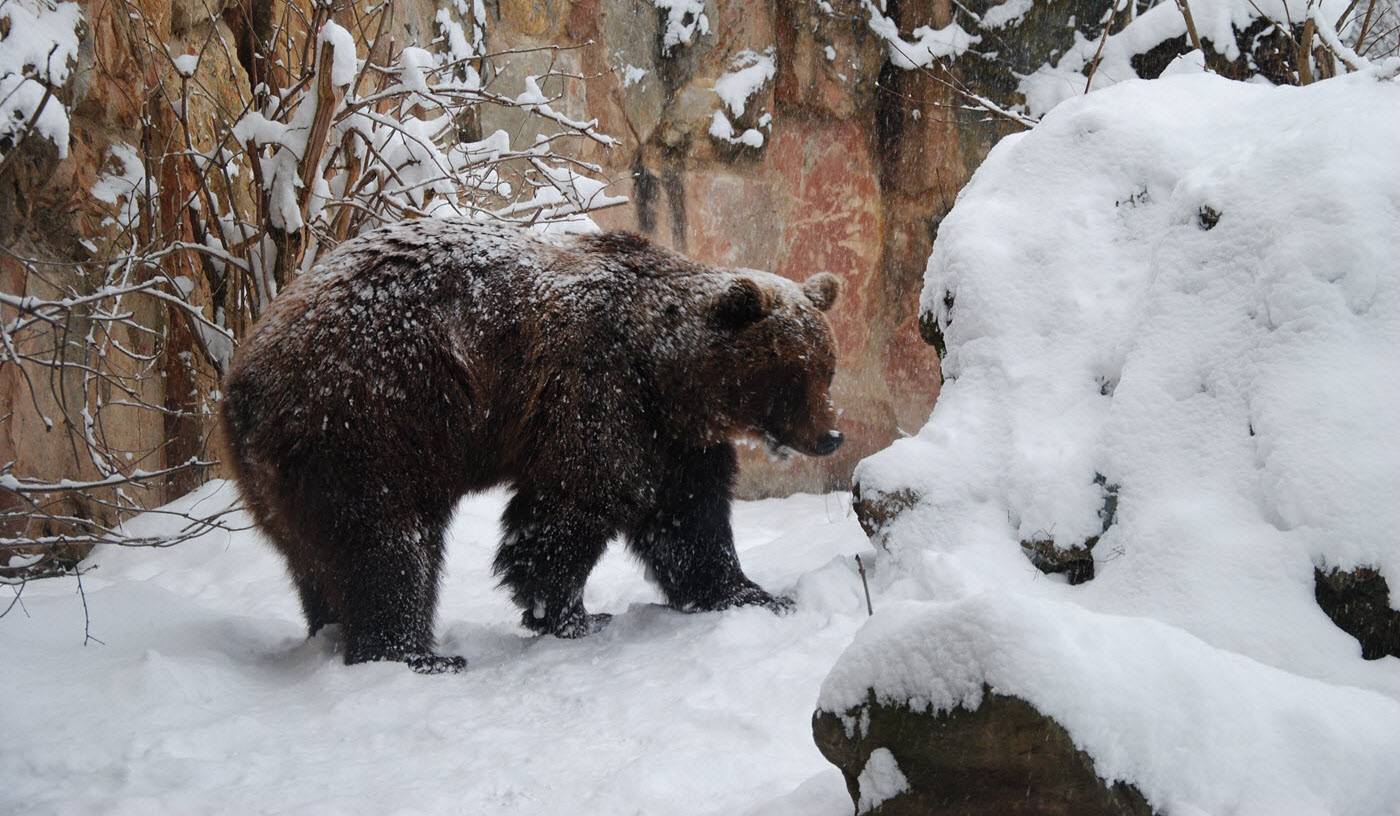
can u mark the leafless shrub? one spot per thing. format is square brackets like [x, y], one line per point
[214, 213]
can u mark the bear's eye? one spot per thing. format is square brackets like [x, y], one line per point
[787, 387]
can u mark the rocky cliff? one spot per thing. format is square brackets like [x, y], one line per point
[778, 134]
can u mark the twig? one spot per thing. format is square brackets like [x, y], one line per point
[19, 593]
[1094, 63]
[34, 119]
[860, 567]
[87, 617]
[1184, 6]
[1333, 43]
[1365, 28]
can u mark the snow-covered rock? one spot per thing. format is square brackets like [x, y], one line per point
[39, 50]
[1172, 315]
[1241, 39]
[1004, 757]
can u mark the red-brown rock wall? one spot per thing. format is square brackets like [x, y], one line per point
[853, 177]
[858, 164]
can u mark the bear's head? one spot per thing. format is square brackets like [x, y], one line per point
[775, 357]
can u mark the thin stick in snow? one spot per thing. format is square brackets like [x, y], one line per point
[1185, 7]
[860, 566]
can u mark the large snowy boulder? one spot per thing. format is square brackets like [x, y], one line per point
[1172, 317]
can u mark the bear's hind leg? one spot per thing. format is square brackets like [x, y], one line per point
[687, 542]
[548, 550]
[391, 585]
[315, 604]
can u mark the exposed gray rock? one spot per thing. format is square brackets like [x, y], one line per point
[1074, 561]
[875, 510]
[1359, 603]
[1004, 759]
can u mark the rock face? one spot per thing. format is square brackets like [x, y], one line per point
[859, 162]
[875, 512]
[816, 195]
[1004, 759]
[1358, 601]
[48, 213]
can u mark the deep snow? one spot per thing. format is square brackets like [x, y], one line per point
[207, 698]
[1185, 290]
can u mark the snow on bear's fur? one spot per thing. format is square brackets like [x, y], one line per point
[601, 377]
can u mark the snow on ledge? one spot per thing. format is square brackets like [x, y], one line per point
[685, 19]
[929, 43]
[37, 54]
[748, 72]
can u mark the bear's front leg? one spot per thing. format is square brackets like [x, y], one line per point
[315, 605]
[687, 542]
[391, 584]
[549, 548]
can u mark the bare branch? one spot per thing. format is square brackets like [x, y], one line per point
[214, 214]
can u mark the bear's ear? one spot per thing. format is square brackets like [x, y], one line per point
[822, 289]
[743, 302]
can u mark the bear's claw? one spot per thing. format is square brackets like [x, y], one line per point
[589, 623]
[574, 624]
[753, 595]
[779, 604]
[436, 664]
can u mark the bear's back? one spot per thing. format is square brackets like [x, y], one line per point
[406, 314]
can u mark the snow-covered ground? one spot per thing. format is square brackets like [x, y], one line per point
[207, 698]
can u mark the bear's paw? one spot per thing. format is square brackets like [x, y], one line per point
[575, 623]
[754, 595]
[436, 664]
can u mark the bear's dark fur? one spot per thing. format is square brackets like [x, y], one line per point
[600, 376]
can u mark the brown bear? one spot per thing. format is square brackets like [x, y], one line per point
[604, 379]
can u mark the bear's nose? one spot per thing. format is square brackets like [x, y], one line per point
[829, 441]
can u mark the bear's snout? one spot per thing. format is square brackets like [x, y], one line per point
[828, 442]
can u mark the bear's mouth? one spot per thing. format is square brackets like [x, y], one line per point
[777, 449]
